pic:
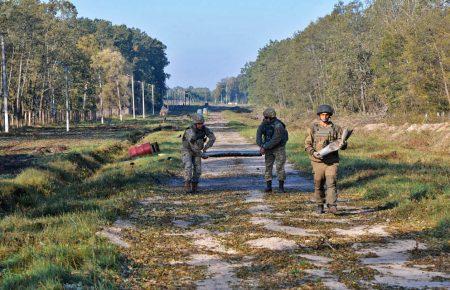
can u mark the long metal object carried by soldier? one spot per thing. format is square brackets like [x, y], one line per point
[240, 153]
[336, 145]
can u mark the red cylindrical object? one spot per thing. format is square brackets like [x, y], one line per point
[140, 150]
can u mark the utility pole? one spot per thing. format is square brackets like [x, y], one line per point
[67, 97]
[153, 100]
[132, 95]
[4, 85]
[143, 100]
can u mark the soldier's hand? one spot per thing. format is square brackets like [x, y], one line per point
[317, 155]
[262, 151]
[204, 156]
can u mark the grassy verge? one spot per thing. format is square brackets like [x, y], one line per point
[50, 212]
[407, 181]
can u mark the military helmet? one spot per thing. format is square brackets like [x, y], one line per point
[325, 109]
[270, 113]
[198, 119]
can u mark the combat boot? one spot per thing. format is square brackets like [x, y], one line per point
[187, 187]
[332, 209]
[194, 187]
[268, 186]
[281, 186]
[319, 209]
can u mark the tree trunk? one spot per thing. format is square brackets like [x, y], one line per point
[4, 85]
[19, 79]
[444, 77]
[119, 102]
[84, 101]
[101, 99]
[363, 98]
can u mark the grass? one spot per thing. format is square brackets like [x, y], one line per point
[51, 211]
[409, 180]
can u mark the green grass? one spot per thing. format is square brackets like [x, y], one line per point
[410, 182]
[50, 213]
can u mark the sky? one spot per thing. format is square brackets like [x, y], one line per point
[208, 40]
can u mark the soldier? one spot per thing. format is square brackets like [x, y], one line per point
[271, 137]
[193, 147]
[325, 168]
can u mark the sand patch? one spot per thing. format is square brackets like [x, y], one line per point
[274, 243]
[390, 261]
[276, 226]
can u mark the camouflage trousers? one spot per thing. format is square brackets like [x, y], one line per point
[278, 156]
[325, 175]
[192, 166]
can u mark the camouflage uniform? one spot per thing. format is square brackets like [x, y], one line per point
[272, 136]
[325, 170]
[193, 145]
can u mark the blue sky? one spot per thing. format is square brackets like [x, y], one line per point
[209, 40]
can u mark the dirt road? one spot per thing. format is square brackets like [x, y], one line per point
[233, 235]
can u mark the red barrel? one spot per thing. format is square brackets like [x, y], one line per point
[143, 149]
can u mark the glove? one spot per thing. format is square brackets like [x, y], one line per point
[317, 155]
[204, 156]
[343, 146]
[262, 151]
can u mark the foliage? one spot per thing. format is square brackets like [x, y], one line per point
[390, 55]
[45, 39]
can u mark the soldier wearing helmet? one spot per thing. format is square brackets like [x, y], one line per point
[325, 169]
[192, 149]
[271, 137]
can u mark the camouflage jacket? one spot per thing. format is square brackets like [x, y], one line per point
[271, 135]
[194, 140]
[317, 137]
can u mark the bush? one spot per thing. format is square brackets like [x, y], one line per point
[442, 230]
[66, 170]
[420, 192]
[376, 193]
[39, 181]
[9, 195]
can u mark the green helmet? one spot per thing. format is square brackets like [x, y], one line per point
[270, 113]
[198, 119]
[325, 109]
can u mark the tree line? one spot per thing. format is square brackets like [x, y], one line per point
[51, 55]
[179, 95]
[231, 90]
[227, 90]
[381, 56]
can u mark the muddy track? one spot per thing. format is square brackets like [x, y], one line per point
[233, 235]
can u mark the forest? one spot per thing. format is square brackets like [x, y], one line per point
[58, 64]
[378, 56]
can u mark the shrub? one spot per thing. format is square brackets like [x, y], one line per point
[39, 181]
[442, 230]
[376, 193]
[420, 192]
